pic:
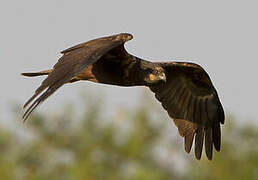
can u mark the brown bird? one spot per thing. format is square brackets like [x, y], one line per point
[184, 89]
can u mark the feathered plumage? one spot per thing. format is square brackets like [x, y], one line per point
[184, 89]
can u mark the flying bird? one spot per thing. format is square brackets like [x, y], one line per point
[184, 89]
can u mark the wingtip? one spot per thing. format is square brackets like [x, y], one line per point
[28, 74]
[124, 37]
[23, 120]
[198, 157]
[27, 103]
[189, 142]
[217, 148]
[199, 143]
[209, 155]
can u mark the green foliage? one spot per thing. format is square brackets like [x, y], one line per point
[93, 147]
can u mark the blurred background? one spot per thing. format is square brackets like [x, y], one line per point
[92, 131]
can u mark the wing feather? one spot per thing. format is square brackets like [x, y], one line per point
[199, 142]
[216, 136]
[189, 141]
[197, 111]
[177, 99]
[192, 101]
[208, 142]
[73, 62]
[183, 102]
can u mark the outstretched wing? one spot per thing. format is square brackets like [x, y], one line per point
[191, 100]
[73, 62]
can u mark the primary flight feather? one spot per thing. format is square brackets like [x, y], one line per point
[184, 89]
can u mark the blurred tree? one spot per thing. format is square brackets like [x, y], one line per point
[94, 147]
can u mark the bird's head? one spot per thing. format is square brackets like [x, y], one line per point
[154, 74]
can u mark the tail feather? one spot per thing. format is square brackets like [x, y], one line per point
[34, 74]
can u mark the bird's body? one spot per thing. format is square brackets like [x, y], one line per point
[125, 71]
[184, 89]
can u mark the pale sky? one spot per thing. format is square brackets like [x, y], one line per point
[221, 36]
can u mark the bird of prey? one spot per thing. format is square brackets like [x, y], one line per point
[184, 89]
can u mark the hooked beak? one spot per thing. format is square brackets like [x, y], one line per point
[163, 77]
